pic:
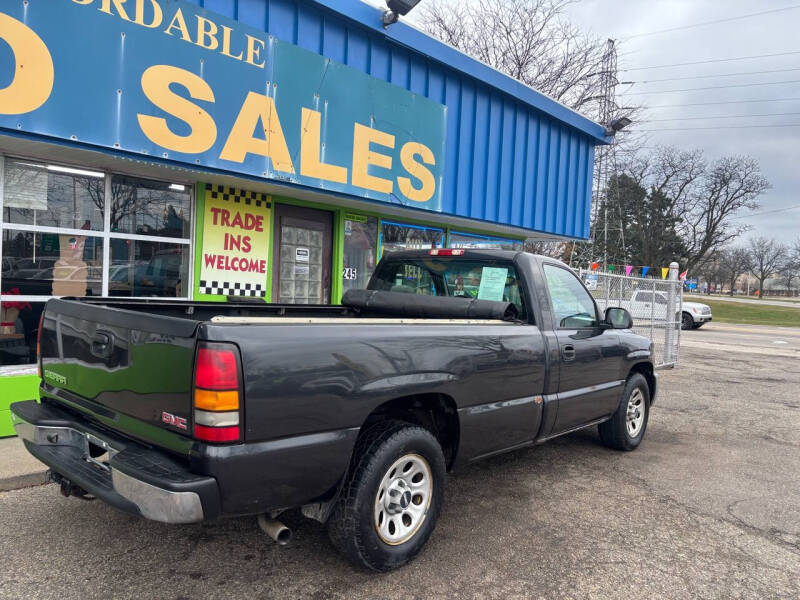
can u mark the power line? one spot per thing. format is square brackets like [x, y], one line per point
[768, 212]
[719, 75]
[714, 22]
[723, 102]
[711, 87]
[780, 114]
[712, 60]
[718, 127]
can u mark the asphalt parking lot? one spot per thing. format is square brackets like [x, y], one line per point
[708, 506]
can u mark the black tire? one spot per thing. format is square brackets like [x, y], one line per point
[352, 525]
[687, 322]
[614, 432]
[697, 325]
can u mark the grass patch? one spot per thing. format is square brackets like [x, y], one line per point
[753, 313]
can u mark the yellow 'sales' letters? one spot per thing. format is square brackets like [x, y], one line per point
[33, 76]
[155, 84]
[408, 154]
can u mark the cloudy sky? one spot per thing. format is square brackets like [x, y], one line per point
[775, 143]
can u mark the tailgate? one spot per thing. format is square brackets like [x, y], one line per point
[132, 362]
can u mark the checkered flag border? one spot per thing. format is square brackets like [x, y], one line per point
[232, 288]
[237, 196]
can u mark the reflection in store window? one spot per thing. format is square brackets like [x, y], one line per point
[399, 236]
[51, 264]
[485, 242]
[147, 207]
[19, 323]
[53, 230]
[52, 195]
[141, 268]
[360, 250]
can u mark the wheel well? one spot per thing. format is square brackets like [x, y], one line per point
[646, 369]
[435, 412]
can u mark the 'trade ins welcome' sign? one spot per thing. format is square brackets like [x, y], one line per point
[167, 79]
[236, 225]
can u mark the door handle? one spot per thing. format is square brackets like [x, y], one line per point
[568, 352]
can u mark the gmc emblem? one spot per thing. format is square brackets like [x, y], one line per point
[169, 419]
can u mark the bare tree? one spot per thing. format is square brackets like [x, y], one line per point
[733, 263]
[704, 198]
[711, 271]
[789, 269]
[730, 184]
[766, 256]
[527, 39]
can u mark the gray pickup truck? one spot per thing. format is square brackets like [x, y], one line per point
[186, 411]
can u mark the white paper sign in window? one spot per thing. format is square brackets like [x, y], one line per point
[493, 283]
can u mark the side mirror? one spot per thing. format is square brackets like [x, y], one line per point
[618, 318]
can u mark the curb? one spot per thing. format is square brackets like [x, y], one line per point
[19, 482]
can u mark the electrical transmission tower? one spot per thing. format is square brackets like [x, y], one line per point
[606, 155]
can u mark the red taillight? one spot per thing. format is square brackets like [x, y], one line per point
[216, 395]
[216, 369]
[216, 434]
[445, 252]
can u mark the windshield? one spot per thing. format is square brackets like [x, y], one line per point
[481, 279]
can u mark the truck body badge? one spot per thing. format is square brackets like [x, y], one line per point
[173, 420]
[59, 379]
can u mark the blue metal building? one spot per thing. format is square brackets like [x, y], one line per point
[514, 156]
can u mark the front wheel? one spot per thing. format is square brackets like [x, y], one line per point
[391, 497]
[687, 322]
[625, 429]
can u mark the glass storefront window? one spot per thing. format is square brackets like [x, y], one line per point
[51, 264]
[400, 236]
[147, 207]
[140, 268]
[360, 251]
[474, 240]
[19, 325]
[54, 234]
[53, 196]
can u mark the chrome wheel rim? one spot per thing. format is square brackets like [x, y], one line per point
[635, 414]
[403, 498]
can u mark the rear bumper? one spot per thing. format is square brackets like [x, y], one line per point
[129, 476]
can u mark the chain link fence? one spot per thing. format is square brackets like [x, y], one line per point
[654, 304]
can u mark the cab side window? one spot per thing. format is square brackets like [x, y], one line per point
[573, 307]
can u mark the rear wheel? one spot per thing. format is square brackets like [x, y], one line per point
[391, 498]
[625, 430]
[687, 322]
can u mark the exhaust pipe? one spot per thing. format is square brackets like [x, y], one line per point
[275, 529]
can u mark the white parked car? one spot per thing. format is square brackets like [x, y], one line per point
[648, 305]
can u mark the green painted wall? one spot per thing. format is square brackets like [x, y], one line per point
[15, 388]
